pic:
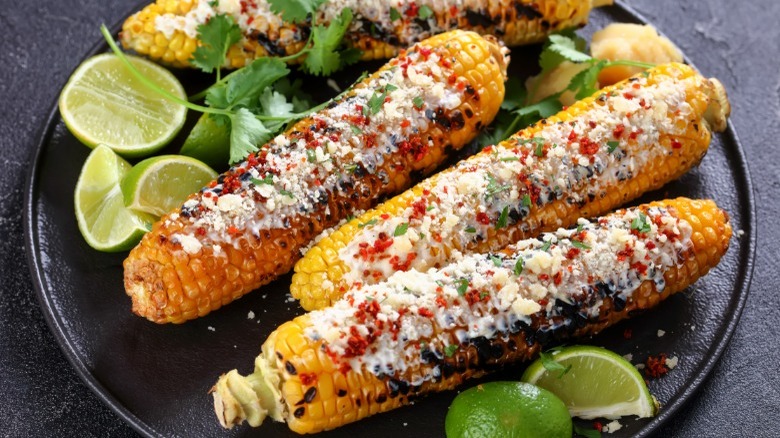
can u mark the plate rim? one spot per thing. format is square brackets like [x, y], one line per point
[58, 330]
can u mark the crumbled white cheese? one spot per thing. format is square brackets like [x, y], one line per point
[250, 315]
[660, 333]
[671, 362]
[188, 243]
[612, 427]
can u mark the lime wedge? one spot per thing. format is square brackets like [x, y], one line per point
[102, 217]
[104, 103]
[208, 142]
[507, 409]
[599, 383]
[157, 185]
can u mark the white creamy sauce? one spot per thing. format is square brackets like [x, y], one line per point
[387, 326]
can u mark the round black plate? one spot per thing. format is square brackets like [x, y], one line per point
[157, 378]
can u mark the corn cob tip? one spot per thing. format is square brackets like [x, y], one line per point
[600, 3]
[500, 52]
[250, 398]
[719, 108]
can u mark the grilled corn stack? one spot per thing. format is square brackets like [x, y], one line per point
[167, 29]
[249, 226]
[597, 154]
[383, 345]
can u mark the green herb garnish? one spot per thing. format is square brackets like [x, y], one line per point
[612, 145]
[502, 218]
[519, 266]
[552, 365]
[400, 230]
[462, 286]
[641, 224]
[450, 350]
[371, 222]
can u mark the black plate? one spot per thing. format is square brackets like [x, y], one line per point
[157, 377]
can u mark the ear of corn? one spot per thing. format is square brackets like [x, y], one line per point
[166, 30]
[599, 153]
[249, 226]
[384, 345]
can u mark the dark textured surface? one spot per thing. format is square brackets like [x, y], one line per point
[43, 41]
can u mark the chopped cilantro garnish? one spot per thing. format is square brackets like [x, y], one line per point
[311, 156]
[471, 230]
[539, 152]
[546, 246]
[527, 200]
[424, 12]
[612, 145]
[371, 222]
[463, 286]
[355, 130]
[493, 188]
[450, 350]
[400, 230]
[580, 227]
[641, 224]
[269, 179]
[510, 159]
[394, 14]
[418, 102]
[502, 218]
[350, 168]
[519, 266]
[375, 103]
[287, 193]
[579, 245]
[552, 365]
[429, 208]
[496, 260]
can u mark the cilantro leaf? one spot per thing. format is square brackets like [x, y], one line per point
[470, 230]
[216, 37]
[323, 57]
[502, 218]
[293, 11]
[585, 82]
[519, 266]
[526, 201]
[496, 261]
[274, 104]
[515, 94]
[243, 87]
[301, 100]
[246, 133]
[586, 432]
[561, 48]
[641, 224]
[450, 350]
[269, 180]
[424, 12]
[462, 286]
[394, 14]
[400, 230]
[612, 145]
[579, 245]
[552, 365]
[371, 222]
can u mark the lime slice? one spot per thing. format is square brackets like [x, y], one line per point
[208, 142]
[599, 383]
[102, 217]
[507, 409]
[104, 103]
[157, 185]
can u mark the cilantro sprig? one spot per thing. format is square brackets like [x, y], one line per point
[518, 111]
[550, 364]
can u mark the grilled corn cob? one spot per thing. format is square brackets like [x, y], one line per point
[599, 153]
[248, 227]
[166, 30]
[383, 345]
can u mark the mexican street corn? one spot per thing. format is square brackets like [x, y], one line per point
[248, 226]
[588, 159]
[167, 30]
[383, 345]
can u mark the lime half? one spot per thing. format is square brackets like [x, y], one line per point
[157, 185]
[599, 383]
[507, 409]
[104, 221]
[104, 103]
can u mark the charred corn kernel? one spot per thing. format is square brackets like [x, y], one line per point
[373, 29]
[418, 333]
[249, 226]
[597, 154]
